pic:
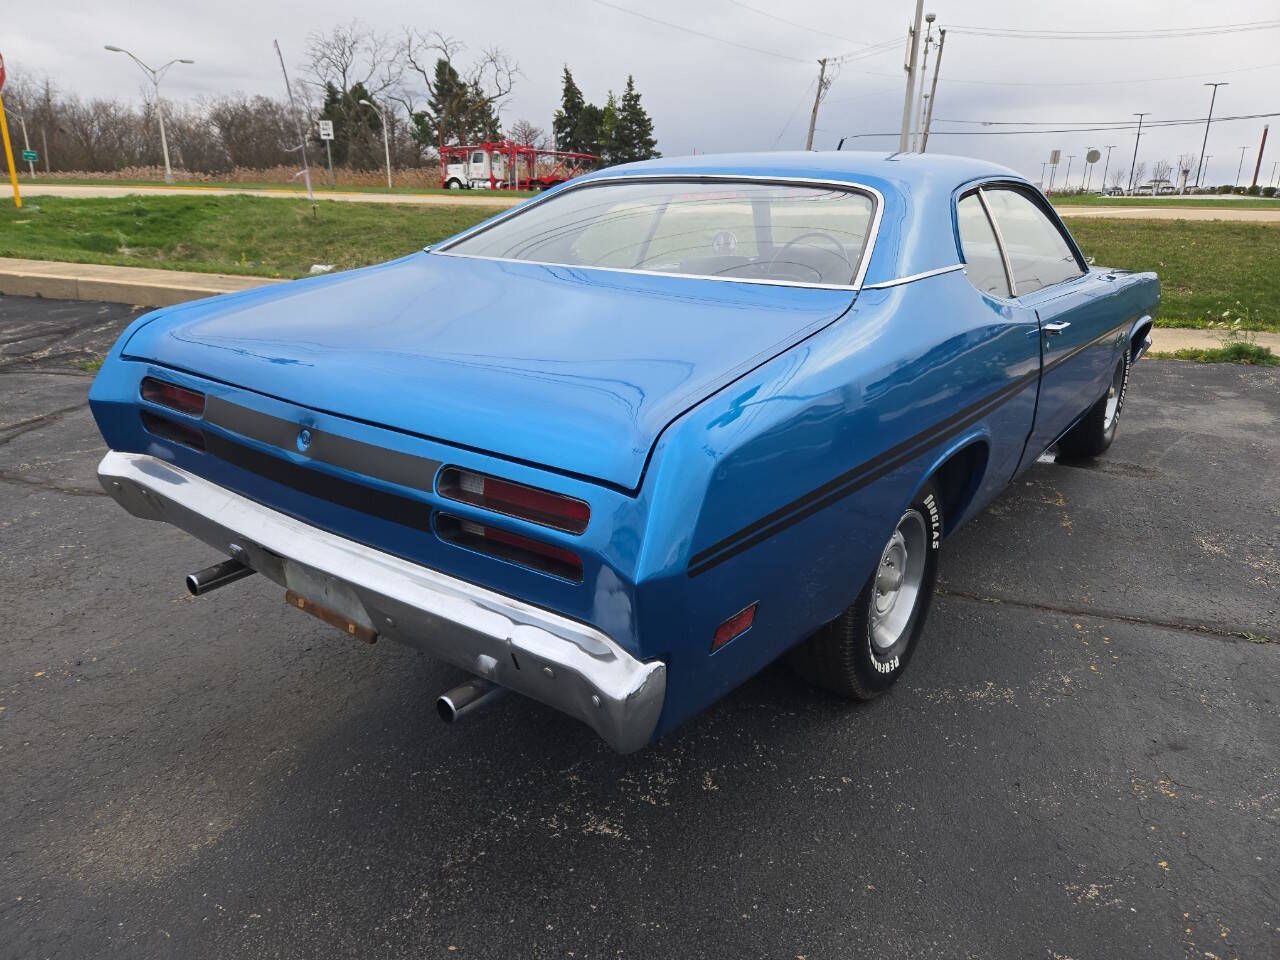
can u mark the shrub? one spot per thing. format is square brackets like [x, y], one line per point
[1268, 191]
[1225, 188]
[1254, 191]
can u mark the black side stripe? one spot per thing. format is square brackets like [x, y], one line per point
[866, 473]
[933, 433]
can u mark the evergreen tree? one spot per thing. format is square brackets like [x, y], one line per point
[586, 135]
[357, 132]
[609, 131]
[565, 125]
[633, 134]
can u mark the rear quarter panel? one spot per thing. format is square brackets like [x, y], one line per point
[903, 360]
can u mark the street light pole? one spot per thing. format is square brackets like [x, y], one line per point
[386, 144]
[1208, 120]
[155, 75]
[1066, 181]
[1240, 169]
[1134, 165]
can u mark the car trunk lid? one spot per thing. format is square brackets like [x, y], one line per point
[576, 370]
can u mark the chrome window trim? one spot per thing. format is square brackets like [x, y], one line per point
[849, 186]
[1004, 254]
[923, 275]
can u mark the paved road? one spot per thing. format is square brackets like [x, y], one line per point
[1248, 214]
[1083, 762]
[467, 199]
[1242, 214]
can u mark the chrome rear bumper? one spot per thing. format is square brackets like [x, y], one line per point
[560, 662]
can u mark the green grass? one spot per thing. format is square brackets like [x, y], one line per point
[1207, 268]
[263, 236]
[1246, 353]
[320, 186]
[1199, 200]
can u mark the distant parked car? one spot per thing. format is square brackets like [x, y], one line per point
[621, 447]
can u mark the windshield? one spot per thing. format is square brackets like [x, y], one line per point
[728, 230]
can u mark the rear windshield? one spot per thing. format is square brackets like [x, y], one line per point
[733, 231]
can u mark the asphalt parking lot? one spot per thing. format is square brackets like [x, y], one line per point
[1083, 762]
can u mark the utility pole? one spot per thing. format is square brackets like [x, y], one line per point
[1208, 120]
[44, 139]
[1240, 168]
[1107, 166]
[1066, 181]
[909, 99]
[1041, 183]
[1133, 166]
[924, 77]
[817, 99]
[1261, 147]
[297, 122]
[933, 92]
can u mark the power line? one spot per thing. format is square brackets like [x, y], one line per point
[699, 33]
[1081, 83]
[792, 23]
[1161, 33]
[1107, 129]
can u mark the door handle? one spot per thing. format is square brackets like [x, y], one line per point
[1055, 328]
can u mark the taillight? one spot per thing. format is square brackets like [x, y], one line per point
[173, 396]
[509, 546]
[734, 627]
[542, 507]
[172, 430]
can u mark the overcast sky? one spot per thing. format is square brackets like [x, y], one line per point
[709, 96]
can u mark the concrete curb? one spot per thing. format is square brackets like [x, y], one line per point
[132, 285]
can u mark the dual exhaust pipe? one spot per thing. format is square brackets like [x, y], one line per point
[466, 698]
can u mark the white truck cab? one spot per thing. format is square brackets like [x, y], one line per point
[474, 172]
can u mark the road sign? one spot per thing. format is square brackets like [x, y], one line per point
[1055, 156]
[30, 156]
[1093, 156]
[326, 129]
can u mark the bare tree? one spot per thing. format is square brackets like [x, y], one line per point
[475, 90]
[1161, 171]
[526, 134]
[1139, 174]
[1118, 177]
[352, 55]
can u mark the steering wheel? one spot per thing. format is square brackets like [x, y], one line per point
[820, 235]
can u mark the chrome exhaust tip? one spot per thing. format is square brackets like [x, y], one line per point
[467, 698]
[218, 575]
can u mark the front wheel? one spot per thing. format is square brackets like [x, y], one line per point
[862, 652]
[1092, 435]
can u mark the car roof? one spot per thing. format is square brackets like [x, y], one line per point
[849, 165]
[916, 231]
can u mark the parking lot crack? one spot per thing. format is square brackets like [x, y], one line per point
[1223, 632]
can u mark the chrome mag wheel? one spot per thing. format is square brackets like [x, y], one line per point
[898, 582]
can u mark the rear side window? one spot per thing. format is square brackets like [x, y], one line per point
[1037, 250]
[983, 264]
[730, 230]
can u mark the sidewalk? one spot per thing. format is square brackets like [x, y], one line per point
[161, 288]
[133, 285]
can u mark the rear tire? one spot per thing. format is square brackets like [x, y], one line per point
[862, 652]
[1093, 435]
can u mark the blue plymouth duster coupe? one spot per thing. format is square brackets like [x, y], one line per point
[620, 447]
